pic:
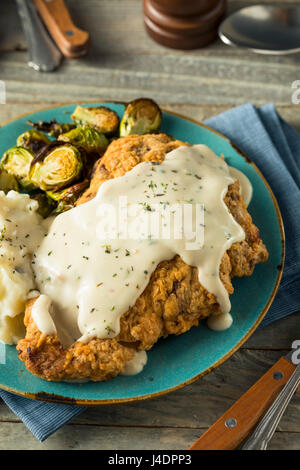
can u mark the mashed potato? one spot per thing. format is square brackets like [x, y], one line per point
[21, 231]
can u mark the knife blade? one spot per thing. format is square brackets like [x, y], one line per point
[43, 53]
[231, 429]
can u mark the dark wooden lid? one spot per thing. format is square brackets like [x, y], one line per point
[183, 32]
[186, 25]
[184, 7]
[178, 41]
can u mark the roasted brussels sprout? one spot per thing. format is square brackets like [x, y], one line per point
[56, 166]
[46, 204]
[101, 118]
[86, 137]
[16, 161]
[67, 197]
[53, 128]
[8, 182]
[33, 140]
[141, 116]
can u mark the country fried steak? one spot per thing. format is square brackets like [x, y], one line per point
[173, 301]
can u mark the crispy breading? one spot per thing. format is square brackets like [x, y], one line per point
[45, 357]
[124, 154]
[173, 301]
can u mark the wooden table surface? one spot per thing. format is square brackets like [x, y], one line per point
[123, 64]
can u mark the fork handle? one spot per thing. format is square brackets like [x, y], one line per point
[235, 425]
[72, 41]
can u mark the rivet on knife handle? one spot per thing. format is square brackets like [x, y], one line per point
[236, 424]
[72, 41]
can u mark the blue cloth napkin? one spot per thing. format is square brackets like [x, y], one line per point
[275, 148]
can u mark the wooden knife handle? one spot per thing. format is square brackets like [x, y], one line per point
[234, 426]
[72, 41]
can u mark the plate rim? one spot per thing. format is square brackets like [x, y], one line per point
[54, 398]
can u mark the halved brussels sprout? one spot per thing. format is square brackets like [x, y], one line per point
[8, 182]
[33, 140]
[56, 166]
[46, 204]
[141, 116]
[53, 128]
[101, 118]
[16, 161]
[86, 137]
[67, 197]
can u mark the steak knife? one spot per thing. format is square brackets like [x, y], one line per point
[236, 424]
[266, 428]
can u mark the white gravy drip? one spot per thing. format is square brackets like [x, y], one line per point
[246, 189]
[41, 314]
[137, 364]
[220, 322]
[92, 279]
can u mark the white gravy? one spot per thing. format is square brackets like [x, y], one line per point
[21, 231]
[137, 364]
[93, 278]
[41, 314]
[220, 322]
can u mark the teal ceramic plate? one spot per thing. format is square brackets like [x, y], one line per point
[175, 361]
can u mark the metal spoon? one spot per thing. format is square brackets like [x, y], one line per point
[43, 53]
[264, 29]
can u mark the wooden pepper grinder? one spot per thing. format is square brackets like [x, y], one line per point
[183, 24]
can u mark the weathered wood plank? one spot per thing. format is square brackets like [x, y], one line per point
[74, 437]
[196, 81]
[16, 436]
[124, 63]
[278, 335]
[285, 441]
